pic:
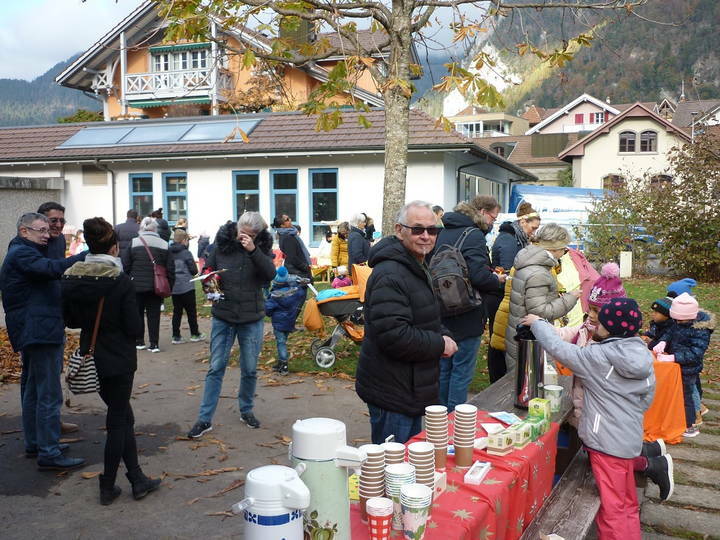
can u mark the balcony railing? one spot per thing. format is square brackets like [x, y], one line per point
[574, 128]
[175, 84]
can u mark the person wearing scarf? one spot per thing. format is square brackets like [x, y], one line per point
[297, 256]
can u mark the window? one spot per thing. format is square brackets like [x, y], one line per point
[648, 141]
[499, 150]
[198, 59]
[141, 193]
[627, 141]
[579, 118]
[597, 118]
[180, 61]
[161, 62]
[470, 129]
[323, 202]
[660, 181]
[175, 190]
[283, 199]
[246, 185]
[614, 182]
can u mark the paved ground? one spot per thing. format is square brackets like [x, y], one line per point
[168, 387]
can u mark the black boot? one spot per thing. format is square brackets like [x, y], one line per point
[141, 484]
[108, 490]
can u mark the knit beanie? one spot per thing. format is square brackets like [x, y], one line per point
[662, 305]
[281, 274]
[607, 286]
[684, 285]
[684, 308]
[621, 317]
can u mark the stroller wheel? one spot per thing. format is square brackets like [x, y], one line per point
[325, 357]
[315, 346]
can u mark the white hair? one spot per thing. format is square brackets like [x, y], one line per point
[148, 224]
[253, 220]
[552, 233]
[26, 220]
[356, 219]
[402, 215]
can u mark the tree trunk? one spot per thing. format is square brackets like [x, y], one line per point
[397, 117]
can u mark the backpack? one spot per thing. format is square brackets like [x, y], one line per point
[449, 276]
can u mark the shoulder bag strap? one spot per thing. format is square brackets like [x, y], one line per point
[144, 243]
[93, 339]
[460, 241]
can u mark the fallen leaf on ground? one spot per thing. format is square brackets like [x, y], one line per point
[294, 396]
[223, 458]
[209, 472]
[10, 432]
[88, 475]
[319, 394]
[143, 386]
[76, 439]
[61, 474]
[193, 387]
[226, 513]
[193, 501]
[182, 438]
[268, 445]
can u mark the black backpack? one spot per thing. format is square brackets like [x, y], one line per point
[450, 281]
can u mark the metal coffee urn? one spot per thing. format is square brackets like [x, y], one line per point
[530, 367]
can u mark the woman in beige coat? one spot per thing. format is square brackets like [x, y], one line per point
[534, 284]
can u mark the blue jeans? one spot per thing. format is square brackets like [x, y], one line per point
[456, 372]
[385, 423]
[222, 336]
[41, 395]
[281, 338]
[689, 388]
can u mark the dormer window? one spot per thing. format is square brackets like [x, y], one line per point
[598, 117]
[648, 141]
[627, 141]
[180, 60]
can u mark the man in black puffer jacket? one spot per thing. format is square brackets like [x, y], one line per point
[243, 254]
[397, 375]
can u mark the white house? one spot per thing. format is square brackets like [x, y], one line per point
[211, 169]
[634, 143]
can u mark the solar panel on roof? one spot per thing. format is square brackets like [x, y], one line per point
[165, 133]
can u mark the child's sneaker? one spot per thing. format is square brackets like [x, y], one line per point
[198, 337]
[178, 340]
[660, 471]
[692, 431]
[653, 449]
[703, 409]
[698, 419]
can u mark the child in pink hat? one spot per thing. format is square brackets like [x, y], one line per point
[685, 343]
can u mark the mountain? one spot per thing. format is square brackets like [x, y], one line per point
[634, 57]
[41, 101]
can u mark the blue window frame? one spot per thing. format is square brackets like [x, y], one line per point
[141, 193]
[175, 196]
[283, 193]
[246, 189]
[323, 202]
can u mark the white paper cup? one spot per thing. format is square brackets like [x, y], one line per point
[419, 447]
[466, 408]
[379, 506]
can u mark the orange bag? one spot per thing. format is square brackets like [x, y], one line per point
[312, 320]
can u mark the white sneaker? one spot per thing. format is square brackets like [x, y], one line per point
[692, 431]
[141, 347]
[154, 349]
[178, 341]
[198, 337]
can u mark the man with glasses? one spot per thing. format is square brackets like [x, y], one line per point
[30, 286]
[399, 366]
[465, 227]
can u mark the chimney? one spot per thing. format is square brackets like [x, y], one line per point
[607, 100]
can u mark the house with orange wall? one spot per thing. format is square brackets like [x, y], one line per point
[137, 75]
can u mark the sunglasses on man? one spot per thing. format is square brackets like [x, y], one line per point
[418, 231]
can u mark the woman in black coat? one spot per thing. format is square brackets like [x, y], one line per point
[83, 285]
[297, 257]
[358, 243]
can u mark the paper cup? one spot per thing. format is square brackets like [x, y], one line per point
[435, 410]
[465, 408]
[553, 393]
[463, 456]
[379, 506]
[440, 458]
[379, 526]
[419, 447]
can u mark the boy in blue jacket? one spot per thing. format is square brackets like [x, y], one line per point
[685, 343]
[283, 305]
[617, 373]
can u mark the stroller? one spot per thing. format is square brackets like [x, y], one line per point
[347, 310]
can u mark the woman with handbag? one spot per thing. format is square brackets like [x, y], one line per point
[146, 262]
[100, 299]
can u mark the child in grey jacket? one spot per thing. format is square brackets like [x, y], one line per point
[617, 373]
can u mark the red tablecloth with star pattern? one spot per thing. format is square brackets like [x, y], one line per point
[499, 508]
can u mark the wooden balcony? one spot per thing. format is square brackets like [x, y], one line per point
[176, 84]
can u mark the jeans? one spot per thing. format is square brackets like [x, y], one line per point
[689, 388]
[150, 302]
[223, 334]
[281, 338]
[187, 302]
[456, 372]
[41, 395]
[119, 423]
[385, 423]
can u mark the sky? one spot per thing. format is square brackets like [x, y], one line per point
[37, 34]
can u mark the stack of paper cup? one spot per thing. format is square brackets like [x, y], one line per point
[396, 476]
[464, 434]
[380, 515]
[415, 502]
[422, 456]
[436, 430]
[394, 452]
[372, 476]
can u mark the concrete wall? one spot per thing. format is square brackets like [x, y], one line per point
[602, 155]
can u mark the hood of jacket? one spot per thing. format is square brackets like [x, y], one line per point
[628, 357]
[391, 248]
[534, 256]
[177, 247]
[226, 240]
[473, 213]
[86, 282]
[705, 321]
[507, 227]
[457, 220]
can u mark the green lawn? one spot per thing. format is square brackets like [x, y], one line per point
[644, 290]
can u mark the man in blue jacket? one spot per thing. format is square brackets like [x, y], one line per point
[30, 286]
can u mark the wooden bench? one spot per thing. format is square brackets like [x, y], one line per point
[570, 509]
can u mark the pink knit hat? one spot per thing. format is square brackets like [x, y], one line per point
[684, 308]
[608, 286]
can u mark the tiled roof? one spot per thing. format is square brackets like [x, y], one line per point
[368, 40]
[276, 133]
[522, 153]
[682, 116]
[534, 114]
